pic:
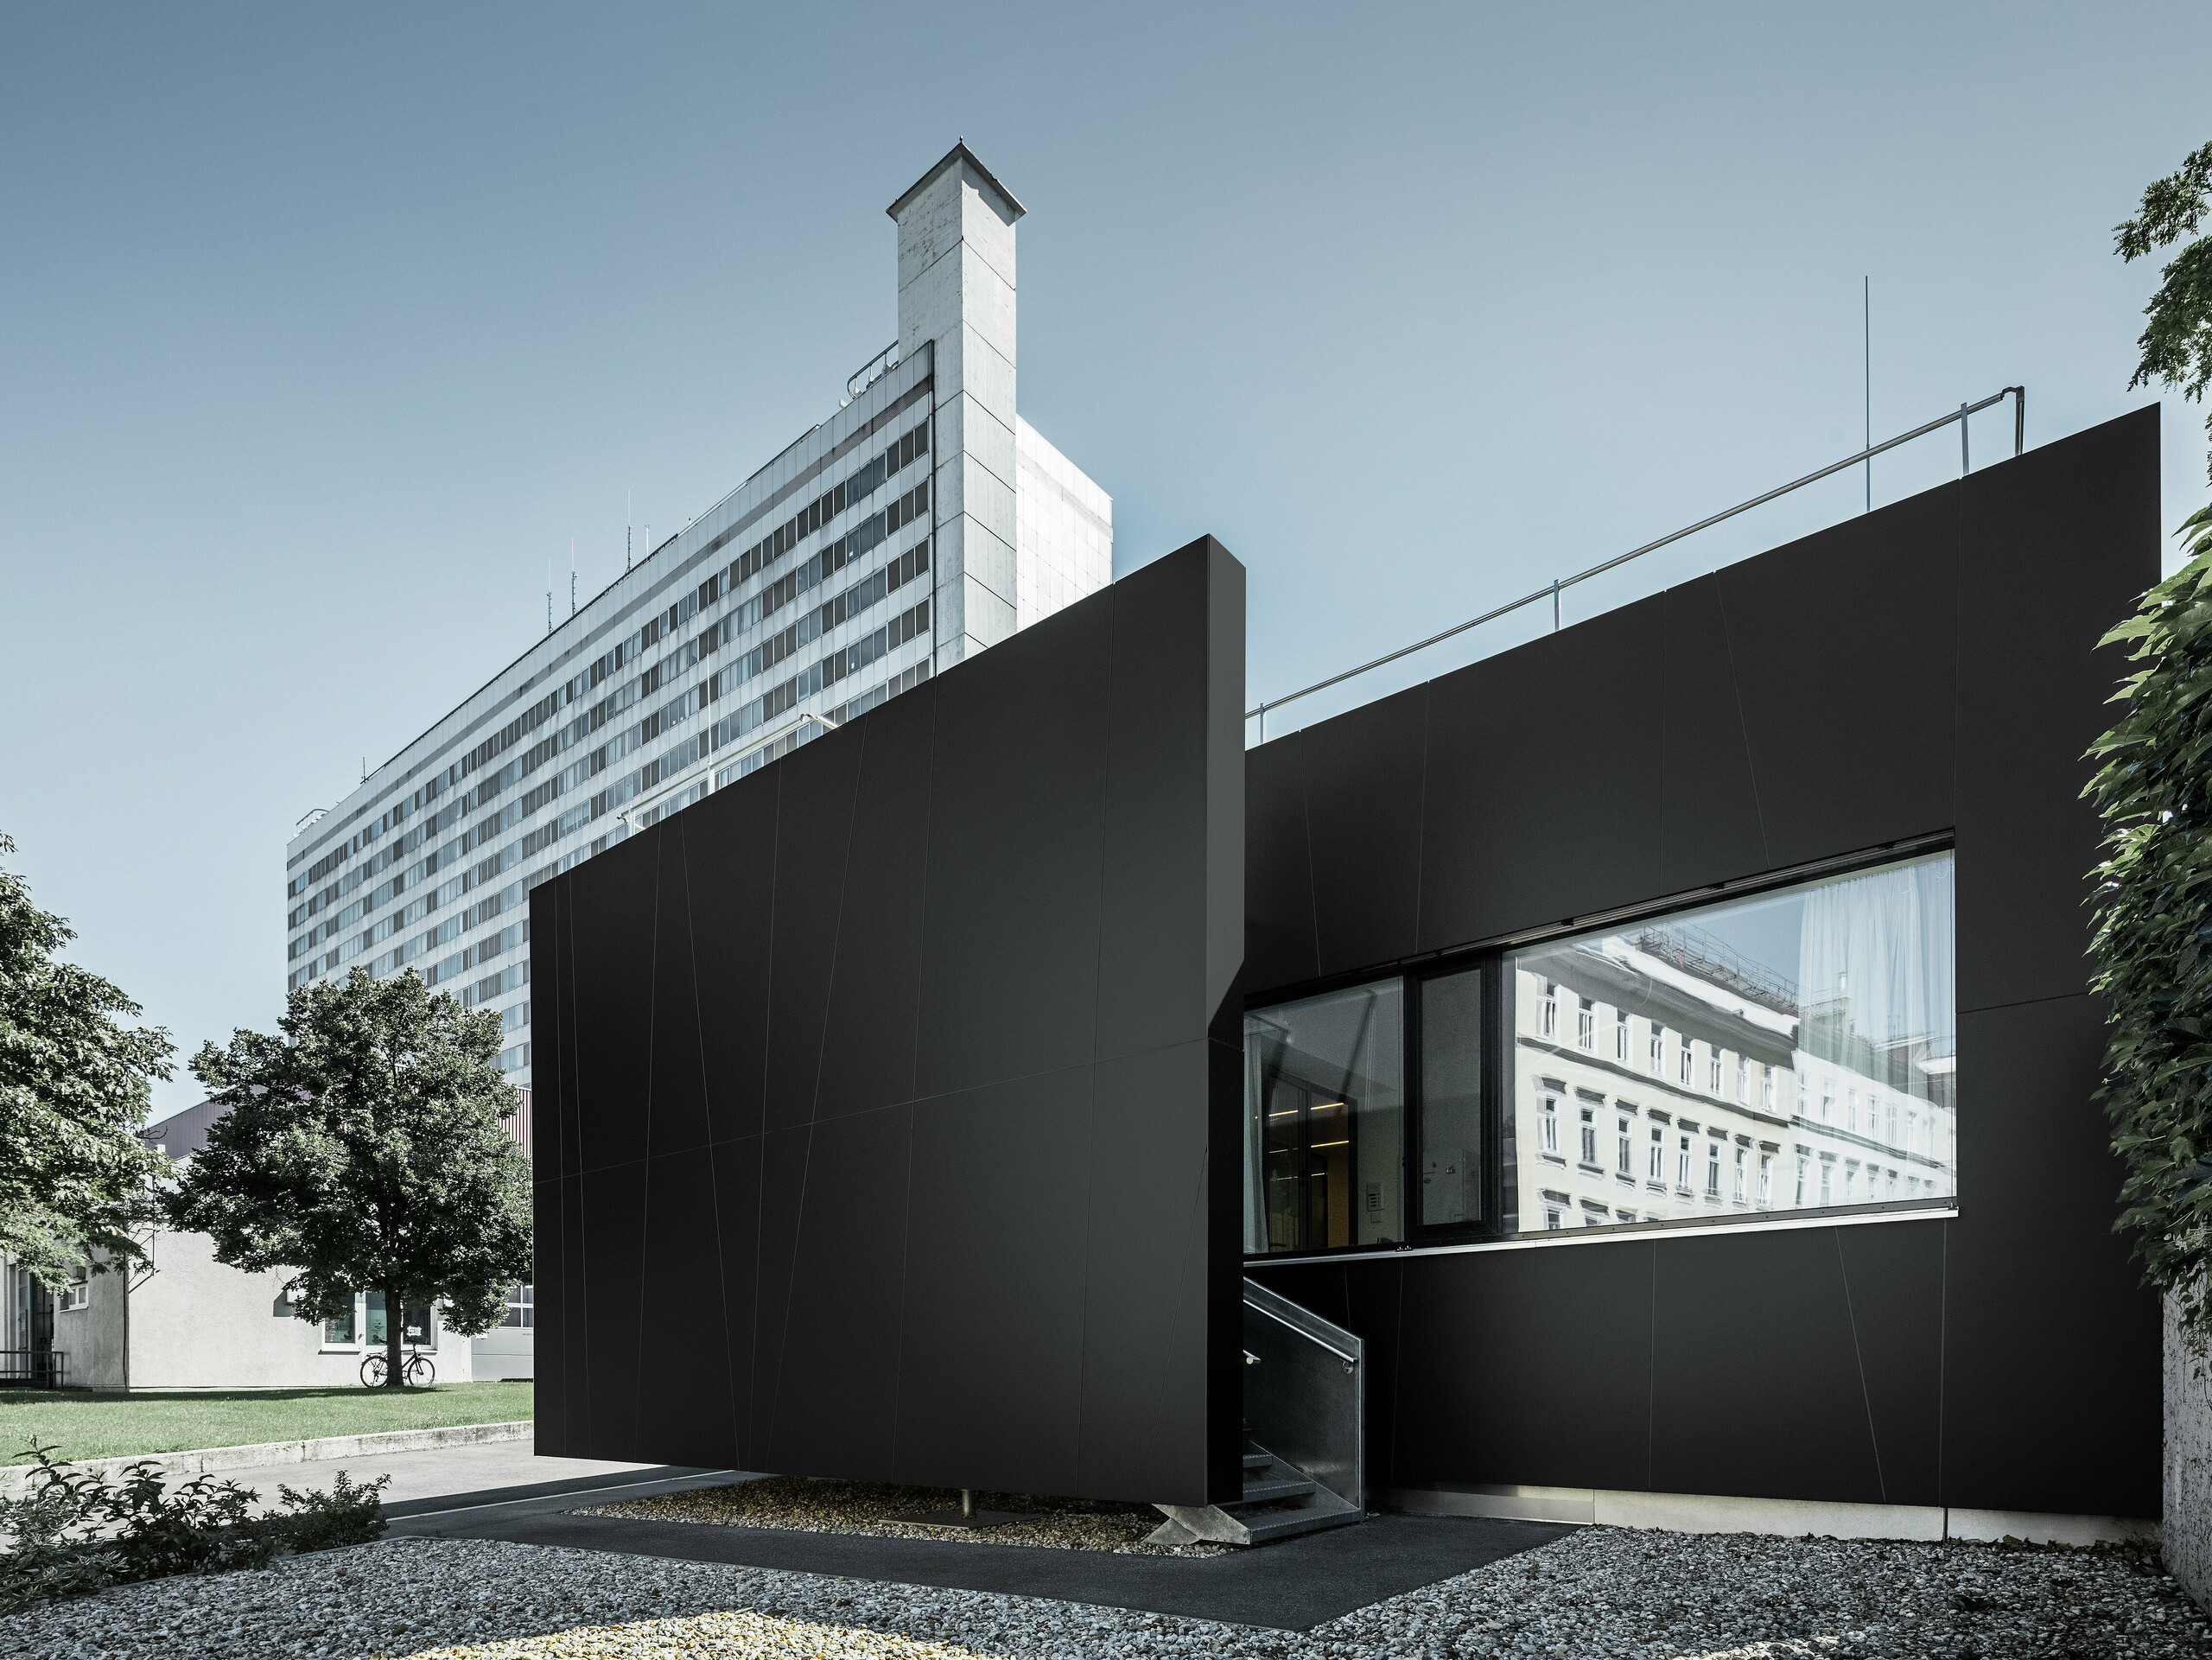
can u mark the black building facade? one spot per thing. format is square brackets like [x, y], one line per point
[1908, 695]
[877, 1090]
[1666, 1048]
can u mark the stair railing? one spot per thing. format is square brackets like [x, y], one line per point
[1306, 1392]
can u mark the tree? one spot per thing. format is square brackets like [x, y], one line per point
[362, 1150]
[2153, 937]
[2152, 787]
[75, 1082]
[2178, 345]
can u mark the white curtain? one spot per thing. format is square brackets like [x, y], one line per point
[1878, 949]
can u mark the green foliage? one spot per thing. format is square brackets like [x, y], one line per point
[363, 1150]
[75, 1082]
[74, 1531]
[2153, 940]
[2177, 344]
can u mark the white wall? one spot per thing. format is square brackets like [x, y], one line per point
[2189, 1462]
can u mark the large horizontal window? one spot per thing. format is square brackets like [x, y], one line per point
[1793, 1051]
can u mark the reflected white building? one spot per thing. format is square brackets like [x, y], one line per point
[1661, 1072]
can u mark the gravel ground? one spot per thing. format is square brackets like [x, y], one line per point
[874, 1507]
[1599, 1593]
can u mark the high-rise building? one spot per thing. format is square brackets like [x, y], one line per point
[923, 521]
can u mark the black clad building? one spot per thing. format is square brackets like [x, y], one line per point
[1664, 1091]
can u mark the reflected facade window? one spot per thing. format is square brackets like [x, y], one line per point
[1836, 996]
[1324, 1121]
[1793, 1050]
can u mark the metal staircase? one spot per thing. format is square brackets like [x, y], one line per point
[1305, 1388]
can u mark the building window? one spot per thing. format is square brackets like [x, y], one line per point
[1325, 1109]
[79, 1293]
[1845, 983]
[519, 1310]
[1452, 1098]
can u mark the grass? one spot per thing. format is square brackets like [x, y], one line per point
[108, 1423]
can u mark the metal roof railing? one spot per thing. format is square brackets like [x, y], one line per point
[1558, 585]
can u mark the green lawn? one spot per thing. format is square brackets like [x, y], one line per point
[101, 1423]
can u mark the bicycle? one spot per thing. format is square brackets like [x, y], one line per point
[417, 1372]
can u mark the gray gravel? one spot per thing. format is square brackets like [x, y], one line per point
[1599, 1593]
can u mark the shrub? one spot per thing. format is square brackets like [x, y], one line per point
[75, 1532]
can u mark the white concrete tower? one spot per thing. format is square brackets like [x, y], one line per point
[956, 290]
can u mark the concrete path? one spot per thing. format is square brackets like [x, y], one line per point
[495, 1479]
[1291, 1585]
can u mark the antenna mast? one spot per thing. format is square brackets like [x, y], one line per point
[625, 530]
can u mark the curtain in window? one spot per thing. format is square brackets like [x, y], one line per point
[1875, 972]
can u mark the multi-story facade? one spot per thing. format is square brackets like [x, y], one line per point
[923, 521]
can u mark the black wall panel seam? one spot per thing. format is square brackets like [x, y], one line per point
[791, 1289]
[1743, 731]
[1859, 1360]
[2024, 1002]
[922, 926]
[1306, 810]
[760, 1181]
[837, 928]
[1651, 1373]
[1942, 1363]
[646, 1202]
[707, 1098]
[1420, 819]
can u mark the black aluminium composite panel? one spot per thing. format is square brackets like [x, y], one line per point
[899, 1126]
[1931, 668]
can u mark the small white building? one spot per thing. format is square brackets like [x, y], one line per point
[182, 1320]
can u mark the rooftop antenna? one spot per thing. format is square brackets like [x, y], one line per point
[1866, 339]
[625, 530]
[548, 596]
[572, 576]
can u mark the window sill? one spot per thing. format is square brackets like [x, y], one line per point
[1705, 1227]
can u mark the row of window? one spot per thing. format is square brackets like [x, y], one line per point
[1443, 1104]
[869, 477]
[855, 599]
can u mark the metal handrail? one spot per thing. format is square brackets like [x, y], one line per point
[861, 378]
[1313, 1338]
[1552, 590]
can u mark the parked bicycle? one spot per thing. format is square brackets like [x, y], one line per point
[416, 1371]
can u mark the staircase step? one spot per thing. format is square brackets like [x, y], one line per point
[1273, 1490]
[1327, 1511]
[1258, 1460]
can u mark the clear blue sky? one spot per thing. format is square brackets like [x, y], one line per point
[325, 330]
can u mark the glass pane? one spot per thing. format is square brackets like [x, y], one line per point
[1788, 1052]
[1324, 1150]
[376, 1324]
[416, 1330]
[341, 1330]
[1452, 1098]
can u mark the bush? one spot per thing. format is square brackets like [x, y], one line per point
[77, 1531]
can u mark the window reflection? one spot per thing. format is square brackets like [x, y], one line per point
[1325, 1149]
[1795, 1050]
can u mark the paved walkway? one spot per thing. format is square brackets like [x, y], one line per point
[1292, 1585]
[503, 1477]
[502, 1491]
